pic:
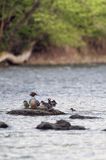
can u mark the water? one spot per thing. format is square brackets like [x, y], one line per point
[83, 88]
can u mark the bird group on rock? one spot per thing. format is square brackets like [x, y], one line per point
[35, 104]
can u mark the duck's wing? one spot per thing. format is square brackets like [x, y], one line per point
[37, 103]
[30, 102]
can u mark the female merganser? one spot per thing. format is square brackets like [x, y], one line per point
[33, 102]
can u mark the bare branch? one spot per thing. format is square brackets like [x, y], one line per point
[27, 15]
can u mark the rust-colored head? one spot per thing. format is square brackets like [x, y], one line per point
[32, 94]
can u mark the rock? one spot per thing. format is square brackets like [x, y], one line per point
[3, 125]
[35, 112]
[59, 125]
[77, 116]
[104, 130]
[62, 124]
[78, 128]
[45, 125]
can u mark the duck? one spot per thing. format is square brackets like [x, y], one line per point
[51, 103]
[43, 105]
[26, 104]
[72, 109]
[33, 102]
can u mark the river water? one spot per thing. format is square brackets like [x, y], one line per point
[83, 88]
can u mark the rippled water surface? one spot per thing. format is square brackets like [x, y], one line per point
[83, 88]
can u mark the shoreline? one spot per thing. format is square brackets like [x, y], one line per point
[4, 65]
[93, 53]
[71, 57]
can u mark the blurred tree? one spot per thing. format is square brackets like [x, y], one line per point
[53, 22]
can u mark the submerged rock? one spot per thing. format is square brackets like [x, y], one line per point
[59, 125]
[35, 112]
[3, 125]
[77, 116]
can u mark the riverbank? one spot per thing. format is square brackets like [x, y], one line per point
[69, 56]
[94, 52]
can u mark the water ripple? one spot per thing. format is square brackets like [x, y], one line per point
[81, 88]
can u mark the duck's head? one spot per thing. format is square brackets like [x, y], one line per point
[25, 102]
[42, 102]
[32, 94]
[49, 100]
[54, 103]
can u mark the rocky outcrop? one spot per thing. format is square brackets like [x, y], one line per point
[59, 125]
[35, 112]
[3, 125]
[77, 116]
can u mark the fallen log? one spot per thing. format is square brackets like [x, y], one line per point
[20, 59]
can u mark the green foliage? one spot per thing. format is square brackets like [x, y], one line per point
[14, 31]
[65, 22]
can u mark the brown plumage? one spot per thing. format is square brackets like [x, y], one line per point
[32, 103]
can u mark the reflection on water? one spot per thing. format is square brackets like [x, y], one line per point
[81, 88]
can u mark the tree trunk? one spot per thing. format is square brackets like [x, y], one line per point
[26, 16]
[6, 56]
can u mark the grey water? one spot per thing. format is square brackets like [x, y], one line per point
[83, 88]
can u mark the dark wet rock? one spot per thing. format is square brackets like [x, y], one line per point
[63, 123]
[3, 125]
[104, 130]
[45, 125]
[77, 116]
[59, 125]
[35, 112]
[78, 128]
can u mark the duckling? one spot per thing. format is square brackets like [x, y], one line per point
[72, 109]
[26, 105]
[37, 103]
[51, 103]
[43, 105]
